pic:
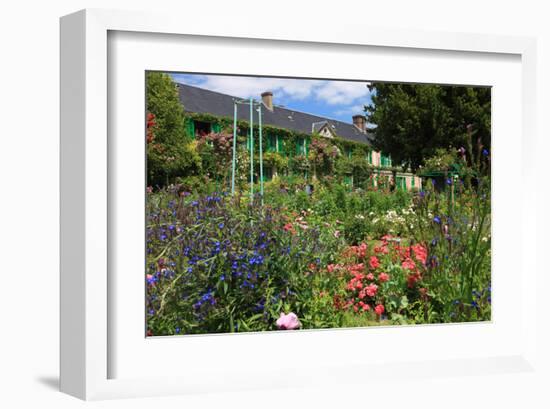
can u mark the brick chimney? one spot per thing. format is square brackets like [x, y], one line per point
[267, 99]
[360, 121]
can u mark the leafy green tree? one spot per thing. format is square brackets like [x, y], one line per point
[170, 153]
[414, 120]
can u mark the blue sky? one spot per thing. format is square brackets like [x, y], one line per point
[333, 99]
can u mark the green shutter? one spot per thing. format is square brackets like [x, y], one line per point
[190, 128]
[308, 142]
[369, 157]
[412, 181]
[216, 128]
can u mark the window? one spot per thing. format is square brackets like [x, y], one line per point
[202, 128]
[267, 174]
[300, 146]
[385, 160]
[401, 182]
[272, 143]
[348, 152]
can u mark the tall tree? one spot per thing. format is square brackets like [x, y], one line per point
[413, 120]
[169, 153]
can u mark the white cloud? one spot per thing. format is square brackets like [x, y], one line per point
[351, 110]
[246, 87]
[328, 92]
[342, 92]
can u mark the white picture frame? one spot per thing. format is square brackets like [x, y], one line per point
[88, 158]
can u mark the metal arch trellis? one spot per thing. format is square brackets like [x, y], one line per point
[251, 102]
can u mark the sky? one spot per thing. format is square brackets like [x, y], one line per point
[333, 99]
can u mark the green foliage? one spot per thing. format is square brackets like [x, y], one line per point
[168, 153]
[413, 120]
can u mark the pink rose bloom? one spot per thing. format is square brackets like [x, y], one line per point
[379, 309]
[288, 321]
[383, 277]
[374, 262]
[337, 233]
[408, 264]
[371, 290]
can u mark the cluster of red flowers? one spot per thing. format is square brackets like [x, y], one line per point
[367, 276]
[412, 258]
[364, 282]
[150, 127]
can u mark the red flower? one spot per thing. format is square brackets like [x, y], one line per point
[420, 253]
[408, 264]
[332, 267]
[370, 276]
[383, 277]
[288, 227]
[371, 290]
[381, 249]
[413, 278]
[374, 262]
[379, 309]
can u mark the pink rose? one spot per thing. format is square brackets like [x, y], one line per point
[379, 309]
[383, 277]
[288, 321]
[371, 290]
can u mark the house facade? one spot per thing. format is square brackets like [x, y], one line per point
[289, 133]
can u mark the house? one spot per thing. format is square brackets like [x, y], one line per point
[208, 111]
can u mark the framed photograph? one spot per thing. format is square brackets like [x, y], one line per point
[230, 192]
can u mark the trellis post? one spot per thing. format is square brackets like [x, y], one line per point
[233, 164]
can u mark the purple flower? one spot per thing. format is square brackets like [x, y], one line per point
[437, 220]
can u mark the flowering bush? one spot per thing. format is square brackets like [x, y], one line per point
[382, 279]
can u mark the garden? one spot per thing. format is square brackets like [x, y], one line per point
[313, 251]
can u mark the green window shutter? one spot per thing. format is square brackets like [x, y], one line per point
[216, 128]
[369, 157]
[307, 143]
[190, 127]
[412, 181]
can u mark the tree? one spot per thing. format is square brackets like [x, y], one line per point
[414, 120]
[169, 152]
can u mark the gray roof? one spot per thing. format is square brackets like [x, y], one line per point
[203, 101]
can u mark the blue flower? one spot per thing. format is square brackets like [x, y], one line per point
[485, 152]
[178, 330]
[194, 203]
[449, 181]
[437, 220]
[221, 225]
